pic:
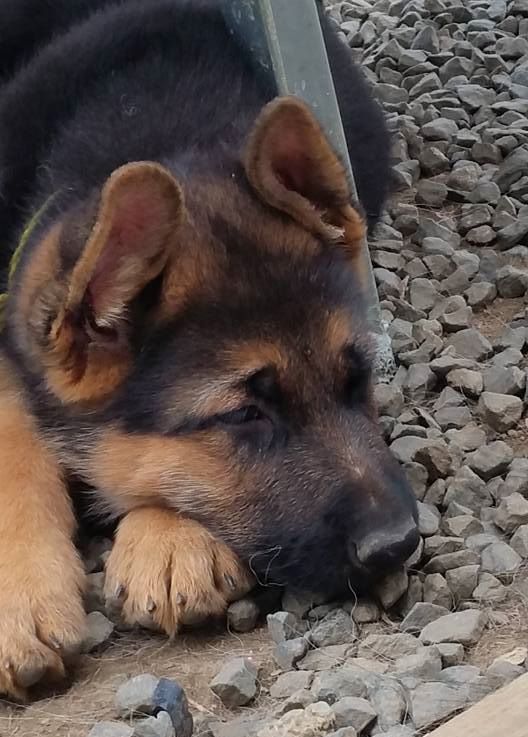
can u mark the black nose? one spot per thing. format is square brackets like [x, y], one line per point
[386, 549]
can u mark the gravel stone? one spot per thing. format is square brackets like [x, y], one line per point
[288, 653]
[332, 685]
[420, 380]
[136, 696]
[355, 712]
[436, 591]
[242, 615]
[501, 560]
[470, 383]
[325, 657]
[365, 611]
[406, 448]
[314, 721]
[448, 561]
[436, 458]
[158, 726]
[111, 729]
[389, 399]
[99, 631]
[511, 513]
[451, 653]
[478, 542]
[392, 588]
[284, 626]
[468, 438]
[420, 615]
[513, 167]
[94, 597]
[240, 727]
[519, 541]
[500, 411]
[441, 129]
[336, 628]
[299, 700]
[425, 665]
[463, 581]
[464, 627]
[389, 701]
[504, 672]
[511, 282]
[470, 493]
[470, 344]
[288, 683]
[489, 590]
[463, 525]
[236, 683]
[299, 603]
[435, 702]
[388, 646]
[505, 380]
[428, 519]
[491, 460]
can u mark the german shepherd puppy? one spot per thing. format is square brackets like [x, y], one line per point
[184, 331]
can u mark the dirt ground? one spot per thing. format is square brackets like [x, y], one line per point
[193, 660]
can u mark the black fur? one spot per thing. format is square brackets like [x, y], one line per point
[91, 84]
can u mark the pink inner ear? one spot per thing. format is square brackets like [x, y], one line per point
[137, 220]
[290, 162]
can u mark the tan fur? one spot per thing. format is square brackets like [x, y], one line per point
[355, 231]
[37, 293]
[41, 613]
[249, 357]
[339, 332]
[191, 268]
[141, 470]
[165, 571]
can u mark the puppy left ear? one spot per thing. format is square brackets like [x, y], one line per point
[292, 166]
[87, 350]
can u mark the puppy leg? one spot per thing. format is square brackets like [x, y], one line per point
[41, 576]
[165, 571]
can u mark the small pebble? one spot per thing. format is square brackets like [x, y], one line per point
[236, 683]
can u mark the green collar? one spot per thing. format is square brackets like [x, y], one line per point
[17, 253]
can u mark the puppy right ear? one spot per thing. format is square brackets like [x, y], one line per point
[81, 318]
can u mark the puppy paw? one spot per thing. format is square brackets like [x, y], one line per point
[42, 620]
[165, 571]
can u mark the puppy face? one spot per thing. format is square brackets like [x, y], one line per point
[204, 346]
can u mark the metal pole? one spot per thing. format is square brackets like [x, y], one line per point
[285, 38]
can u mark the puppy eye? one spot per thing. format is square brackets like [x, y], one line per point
[241, 416]
[356, 386]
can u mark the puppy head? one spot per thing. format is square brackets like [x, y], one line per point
[221, 349]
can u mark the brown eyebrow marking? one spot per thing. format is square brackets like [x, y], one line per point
[249, 357]
[339, 332]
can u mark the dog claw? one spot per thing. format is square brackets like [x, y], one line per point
[119, 591]
[54, 642]
[151, 605]
[29, 675]
[180, 599]
[230, 581]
